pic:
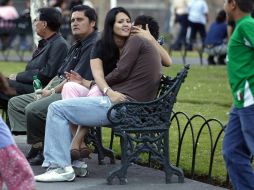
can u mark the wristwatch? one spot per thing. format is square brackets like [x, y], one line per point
[105, 90]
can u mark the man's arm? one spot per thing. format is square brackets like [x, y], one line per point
[48, 90]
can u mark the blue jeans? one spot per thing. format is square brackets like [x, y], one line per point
[238, 146]
[85, 111]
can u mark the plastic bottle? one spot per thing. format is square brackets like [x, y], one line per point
[37, 87]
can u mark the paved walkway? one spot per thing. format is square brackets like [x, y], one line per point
[139, 178]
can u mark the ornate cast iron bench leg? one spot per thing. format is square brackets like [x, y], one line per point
[169, 168]
[122, 171]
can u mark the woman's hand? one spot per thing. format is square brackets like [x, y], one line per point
[116, 97]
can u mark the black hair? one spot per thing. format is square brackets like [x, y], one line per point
[88, 12]
[221, 16]
[110, 51]
[152, 24]
[52, 16]
[244, 5]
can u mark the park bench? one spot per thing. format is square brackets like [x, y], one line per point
[143, 127]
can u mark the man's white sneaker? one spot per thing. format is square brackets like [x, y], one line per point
[57, 174]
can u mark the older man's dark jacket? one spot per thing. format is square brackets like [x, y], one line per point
[44, 63]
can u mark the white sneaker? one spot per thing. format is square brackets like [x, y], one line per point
[80, 168]
[57, 174]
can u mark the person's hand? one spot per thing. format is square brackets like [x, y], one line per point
[73, 77]
[116, 97]
[45, 93]
[135, 30]
[42, 93]
[5, 87]
[12, 76]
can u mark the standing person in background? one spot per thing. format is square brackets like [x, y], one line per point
[62, 5]
[180, 10]
[7, 10]
[216, 40]
[238, 142]
[15, 171]
[26, 26]
[198, 17]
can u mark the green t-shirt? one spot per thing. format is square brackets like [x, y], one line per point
[240, 62]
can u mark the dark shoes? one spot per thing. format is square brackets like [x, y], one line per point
[35, 156]
[210, 60]
[37, 160]
[85, 152]
[75, 154]
[79, 154]
[32, 152]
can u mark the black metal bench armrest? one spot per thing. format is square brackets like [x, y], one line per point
[147, 115]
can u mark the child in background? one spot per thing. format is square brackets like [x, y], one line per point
[15, 171]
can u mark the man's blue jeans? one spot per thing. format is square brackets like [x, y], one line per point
[85, 111]
[238, 146]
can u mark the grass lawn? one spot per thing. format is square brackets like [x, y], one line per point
[205, 92]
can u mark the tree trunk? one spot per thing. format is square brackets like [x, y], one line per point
[34, 6]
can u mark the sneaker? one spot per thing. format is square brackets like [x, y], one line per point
[80, 168]
[57, 174]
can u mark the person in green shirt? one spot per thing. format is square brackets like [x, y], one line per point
[238, 142]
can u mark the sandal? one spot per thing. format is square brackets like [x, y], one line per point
[75, 154]
[85, 152]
